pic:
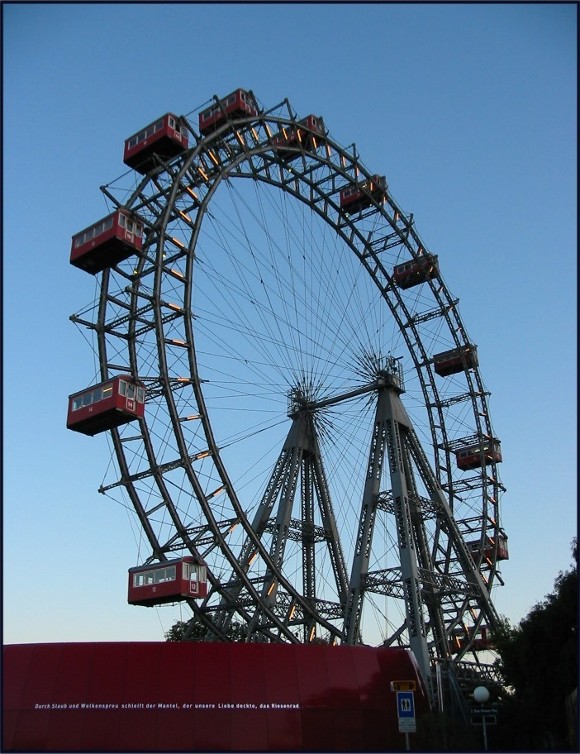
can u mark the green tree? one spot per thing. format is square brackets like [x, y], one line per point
[177, 632]
[539, 662]
[194, 631]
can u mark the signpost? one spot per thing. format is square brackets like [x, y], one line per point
[482, 715]
[406, 713]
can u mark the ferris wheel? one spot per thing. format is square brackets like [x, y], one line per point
[293, 400]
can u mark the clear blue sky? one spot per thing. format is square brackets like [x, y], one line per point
[470, 111]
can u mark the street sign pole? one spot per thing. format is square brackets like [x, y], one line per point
[406, 715]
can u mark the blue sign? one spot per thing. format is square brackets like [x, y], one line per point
[405, 704]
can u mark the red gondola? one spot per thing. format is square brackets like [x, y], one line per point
[477, 455]
[489, 552]
[108, 242]
[456, 360]
[361, 195]
[480, 640]
[107, 405]
[238, 104]
[299, 137]
[167, 137]
[169, 581]
[416, 271]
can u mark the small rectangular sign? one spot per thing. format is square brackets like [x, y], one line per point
[403, 686]
[483, 719]
[407, 725]
[405, 704]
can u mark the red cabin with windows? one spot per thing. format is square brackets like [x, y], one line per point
[361, 195]
[489, 552]
[107, 405]
[238, 104]
[478, 455]
[108, 242]
[416, 271]
[169, 581]
[294, 136]
[166, 137]
[480, 639]
[456, 360]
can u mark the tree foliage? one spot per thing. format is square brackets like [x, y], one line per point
[195, 631]
[539, 662]
[177, 632]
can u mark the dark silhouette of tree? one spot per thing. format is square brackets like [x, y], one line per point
[194, 631]
[177, 632]
[539, 662]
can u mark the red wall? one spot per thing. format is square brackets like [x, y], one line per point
[147, 696]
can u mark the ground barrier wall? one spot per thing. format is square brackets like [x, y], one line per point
[197, 696]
